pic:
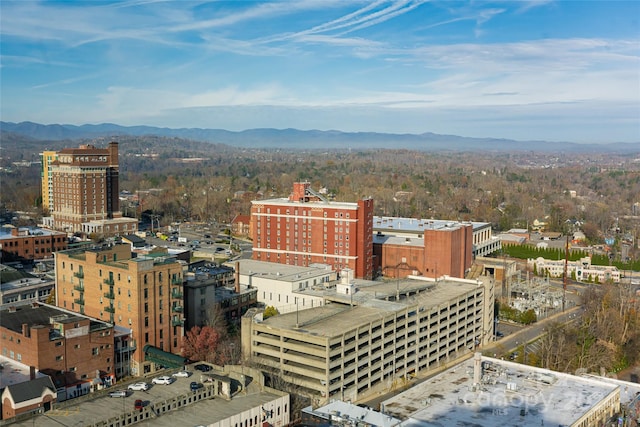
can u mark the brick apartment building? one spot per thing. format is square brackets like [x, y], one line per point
[143, 294]
[80, 188]
[69, 347]
[305, 228]
[30, 243]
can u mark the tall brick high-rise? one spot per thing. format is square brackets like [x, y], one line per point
[81, 190]
[306, 228]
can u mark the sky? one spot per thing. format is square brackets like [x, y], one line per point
[525, 70]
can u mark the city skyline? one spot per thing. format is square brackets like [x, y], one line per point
[527, 70]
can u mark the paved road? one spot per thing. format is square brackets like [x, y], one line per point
[500, 348]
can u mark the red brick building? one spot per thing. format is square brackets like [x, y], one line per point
[241, 225]
[28, 397]
[69, 347]
[306, 228]
[437, 250]
[31, 243]
[82, 186]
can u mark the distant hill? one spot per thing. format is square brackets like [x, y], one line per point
[310, 139]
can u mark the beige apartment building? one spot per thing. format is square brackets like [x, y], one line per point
[371, 337]
[143, 294]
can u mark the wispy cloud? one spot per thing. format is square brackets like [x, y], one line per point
[311, 62]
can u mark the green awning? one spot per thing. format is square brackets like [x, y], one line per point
[164, 358]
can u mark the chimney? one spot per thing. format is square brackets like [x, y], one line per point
[477, 368]
[237, 275]
[26, 332]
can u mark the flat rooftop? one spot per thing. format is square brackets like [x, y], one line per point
[509, 394]
[280, 272]
[14, 372]
[284, 201]
[345, 413]
[369, 304]
[207, 412]
[387, 223]
[39, 314]
[5, 232]
[385, 239]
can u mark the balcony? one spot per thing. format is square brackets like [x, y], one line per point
[177, 281]
[176, 294]
[79, 301]
[110, 295]
[79, 274]
[177, 309]
[79, 287]
[177, 322]
[109, 281]
[110, 309]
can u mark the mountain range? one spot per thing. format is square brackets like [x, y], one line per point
[311, 139]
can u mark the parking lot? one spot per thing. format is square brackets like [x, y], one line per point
[86, 412]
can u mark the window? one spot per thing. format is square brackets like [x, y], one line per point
[146, 337]
[95, 351]
[59, 358]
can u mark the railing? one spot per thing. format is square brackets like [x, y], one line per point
[110, 295]
[109, 281]
[110, 309]
[177, 322]
[79, 287]
[176, 294]
[79, 274]
[79, 301]
[177, 308]
[177, 281]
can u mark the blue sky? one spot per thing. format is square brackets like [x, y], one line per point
[553, 70]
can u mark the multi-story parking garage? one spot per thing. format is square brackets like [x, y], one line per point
[373, 338]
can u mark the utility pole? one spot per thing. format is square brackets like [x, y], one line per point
[566, 268]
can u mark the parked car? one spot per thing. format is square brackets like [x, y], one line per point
[118, 393]
[202, 367]
[138, 386]
[181, 374]
[138, 405]
[195, 385]
[163, 380]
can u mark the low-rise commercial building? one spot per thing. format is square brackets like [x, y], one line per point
[18, 244]
[371, 338]
[210, 292]
[75, 350]
[17, 287]
[484, 391]
[430, 248]
[581, 270]
[286, 287]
